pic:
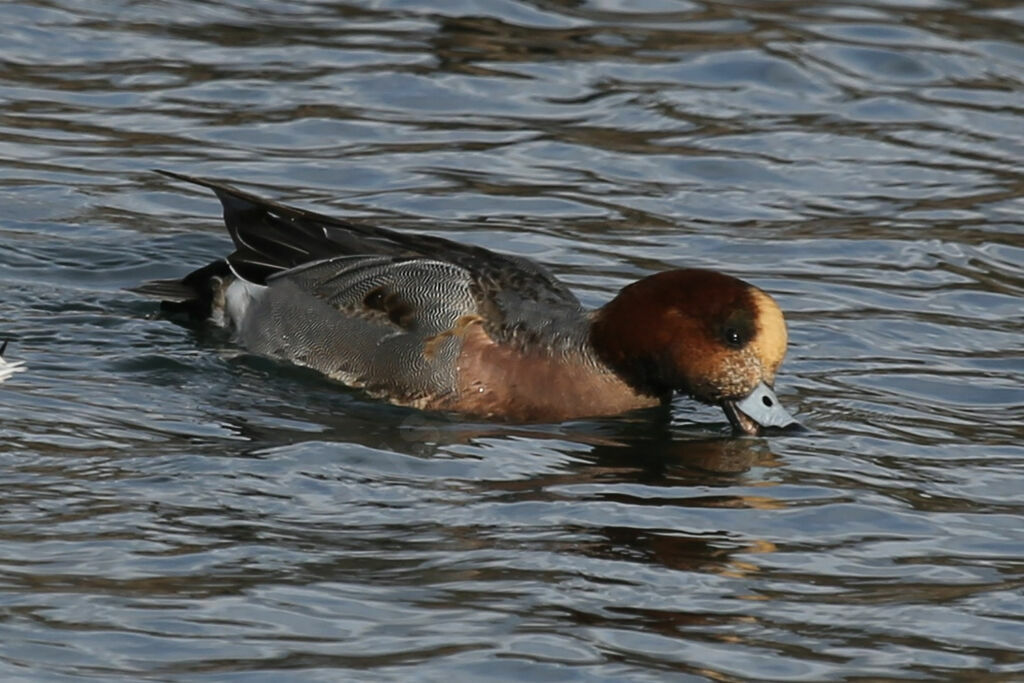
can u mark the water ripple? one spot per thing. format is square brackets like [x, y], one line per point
[178, 510]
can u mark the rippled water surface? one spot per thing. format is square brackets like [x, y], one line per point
[175, 510]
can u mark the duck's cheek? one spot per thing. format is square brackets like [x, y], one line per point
[699, 375]
[718, 377]
[738, 375]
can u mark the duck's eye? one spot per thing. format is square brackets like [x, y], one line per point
[733, 337]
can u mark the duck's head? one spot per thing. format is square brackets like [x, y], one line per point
[702, 333]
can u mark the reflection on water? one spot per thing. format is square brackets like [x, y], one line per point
[175, 509]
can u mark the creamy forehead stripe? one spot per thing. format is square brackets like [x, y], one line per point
[771, 330]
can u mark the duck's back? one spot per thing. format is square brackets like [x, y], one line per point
[515, 293]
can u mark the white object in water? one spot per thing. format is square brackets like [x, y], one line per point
[8, 368]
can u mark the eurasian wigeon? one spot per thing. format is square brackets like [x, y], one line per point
[430, 323]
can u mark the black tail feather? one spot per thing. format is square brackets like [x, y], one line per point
[193, 296]
[166, 290]
[270, 237]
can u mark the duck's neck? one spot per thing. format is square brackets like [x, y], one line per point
[634, 334]
[621, 353]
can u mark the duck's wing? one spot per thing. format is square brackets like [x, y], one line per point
[517, 297]
[387, 324]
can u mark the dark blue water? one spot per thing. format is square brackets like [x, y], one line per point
[174, 509]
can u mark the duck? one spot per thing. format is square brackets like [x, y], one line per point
[438, 325]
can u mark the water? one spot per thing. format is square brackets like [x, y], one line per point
[175, 510]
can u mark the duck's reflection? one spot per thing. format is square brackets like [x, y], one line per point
[640, 461]
[645, 444]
